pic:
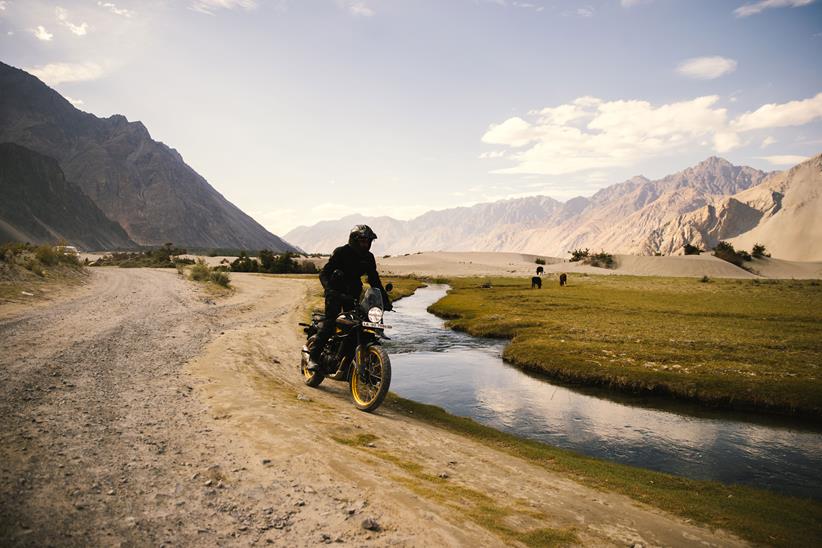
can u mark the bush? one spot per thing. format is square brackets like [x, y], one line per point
[705, 279]
[200, 272]
[579, 255]
[726, 252]
[539, 261]
[46, 255]
[758, 251]
[602, 260]
[220, 277]
[244, 263]
[284, 263]
[689, 249]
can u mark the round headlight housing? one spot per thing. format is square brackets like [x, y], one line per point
[375, 315]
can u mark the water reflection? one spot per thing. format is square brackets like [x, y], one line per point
[466, 376]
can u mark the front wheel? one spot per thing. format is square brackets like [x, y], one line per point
[370, 381]
[312, 379]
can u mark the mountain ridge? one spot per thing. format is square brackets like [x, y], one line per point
[700, 204]
[142, 184]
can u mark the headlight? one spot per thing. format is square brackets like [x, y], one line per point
[375, 315]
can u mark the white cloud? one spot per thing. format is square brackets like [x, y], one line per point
[209, 7]
[591, 133]
[62, 16]
[632, 3]
[57, 73]
[357, 7]
[784, 160]
[115, 10]
[762, 5]
[793, 113]
[768, 141]
[42, 34]
[706, 68]
[3, 5]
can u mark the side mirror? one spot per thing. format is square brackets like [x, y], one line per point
[388, 287]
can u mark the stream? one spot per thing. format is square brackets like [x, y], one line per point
[466, 376]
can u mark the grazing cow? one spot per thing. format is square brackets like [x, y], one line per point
[540, 270]
[536, 282]
[563, 279]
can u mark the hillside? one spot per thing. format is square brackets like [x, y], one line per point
[138, 182]
[622, 218]
[38, 205]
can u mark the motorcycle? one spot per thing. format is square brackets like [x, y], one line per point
[354, 353]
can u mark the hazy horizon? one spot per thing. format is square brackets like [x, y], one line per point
[299, 112]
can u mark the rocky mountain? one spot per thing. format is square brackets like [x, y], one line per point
[38, 205]
[480, 227]
[140, 183]
[623, 218]
[783, 213]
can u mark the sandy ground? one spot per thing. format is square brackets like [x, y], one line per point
[141, 411]
[447, 264]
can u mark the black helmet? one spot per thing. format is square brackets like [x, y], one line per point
[361, 232]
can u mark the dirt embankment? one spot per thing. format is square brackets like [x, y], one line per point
[140, 411]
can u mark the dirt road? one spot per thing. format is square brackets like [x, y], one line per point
[141, 411]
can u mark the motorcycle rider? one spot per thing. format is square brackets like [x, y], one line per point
[341, 279]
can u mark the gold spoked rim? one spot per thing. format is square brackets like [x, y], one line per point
[366, 384]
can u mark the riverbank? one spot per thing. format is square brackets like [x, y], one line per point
[744, 344]
[758, 516]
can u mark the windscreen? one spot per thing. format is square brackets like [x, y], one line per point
[370, 299]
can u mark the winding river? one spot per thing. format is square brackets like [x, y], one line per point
[466, 376]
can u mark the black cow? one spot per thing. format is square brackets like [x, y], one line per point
[540, 270]
[536, 282]
[563, 279]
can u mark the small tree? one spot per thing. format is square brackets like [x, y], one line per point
[726, 252]
[691, 249]
[244, 263]
[540, 261]
[579, 254]
[758, 251]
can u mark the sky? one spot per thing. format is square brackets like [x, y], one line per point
[305, 110]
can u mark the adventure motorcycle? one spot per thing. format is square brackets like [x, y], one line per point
[353, 353]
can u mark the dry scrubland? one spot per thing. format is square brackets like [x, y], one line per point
[737, 343]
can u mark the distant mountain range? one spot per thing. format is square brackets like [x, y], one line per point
[701, 205]
[135, 181]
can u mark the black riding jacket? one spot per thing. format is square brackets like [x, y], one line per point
[353, 265]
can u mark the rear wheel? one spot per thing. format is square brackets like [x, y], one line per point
[369, 383]
[312, 379]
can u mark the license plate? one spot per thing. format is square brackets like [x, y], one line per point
[376, 325]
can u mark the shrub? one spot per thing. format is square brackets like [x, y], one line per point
[200, 271]
[689, 249]
[705, 279]
[726, 252]
[539, 261]
[578, 255]
[220, 277]
[46, 255]
[244, 263]
[602, 260]
[758, 251]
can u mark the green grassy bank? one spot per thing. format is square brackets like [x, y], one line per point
[731, 343]
[758, 516]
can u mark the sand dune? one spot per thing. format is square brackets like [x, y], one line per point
[519, 264]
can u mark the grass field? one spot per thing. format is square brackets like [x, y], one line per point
[735, 343]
